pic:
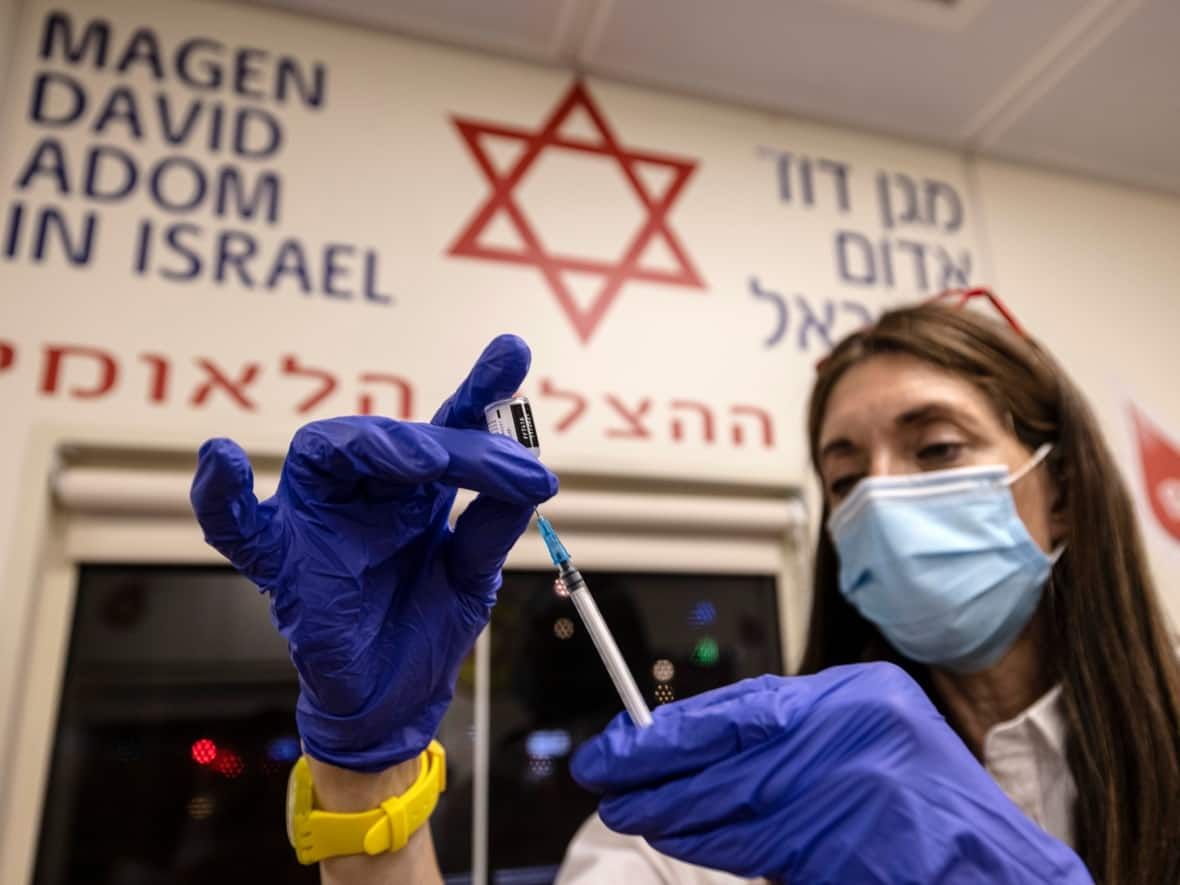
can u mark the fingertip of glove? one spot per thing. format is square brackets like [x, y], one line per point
[498, 372]
[591, 762]
[587, 764]
[610, 810]
[217, 446]
[509, 353]
[532, 482]
[222, 469]
[547, 485]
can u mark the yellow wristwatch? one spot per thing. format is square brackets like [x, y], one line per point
[316, 834]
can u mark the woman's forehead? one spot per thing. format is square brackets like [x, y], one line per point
[885, 391]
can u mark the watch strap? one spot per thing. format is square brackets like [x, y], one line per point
[404, 814]
[386, 828]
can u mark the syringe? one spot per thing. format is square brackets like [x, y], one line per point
[595, 625]
[513, 417]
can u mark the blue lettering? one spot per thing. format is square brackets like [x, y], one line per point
[935, 190]
[95, 38]
[125, 164]
[16, 217]
[332, 269]
[197, 61]
[142, 48]
[918, 251]
[143, 243]
[886, 253]
[230, 189]
[234, 248]
[782, 311]
[177, 133]
[867, 275]
[822, 327]
[290, 260]
[289, 72]
[371, 293]
[839, 173]
[954, 273]
[48, 159]
[188, 252]
[215, 128]
[246, 70]
[52, 220]
[120, 107]
[196, 175]
[201, 73]
[49, 224]
[75, 96]
[192, 259]
[271, 134]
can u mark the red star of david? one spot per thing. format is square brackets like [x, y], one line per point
[630, 266]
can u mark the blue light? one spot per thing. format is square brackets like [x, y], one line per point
[703, 614]
[284, 749]
[549, 744]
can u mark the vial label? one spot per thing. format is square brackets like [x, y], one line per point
[514, 418]
[522, 420]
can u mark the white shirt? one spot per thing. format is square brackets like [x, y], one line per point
[1025, 755]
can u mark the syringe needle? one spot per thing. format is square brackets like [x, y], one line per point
[596, 626]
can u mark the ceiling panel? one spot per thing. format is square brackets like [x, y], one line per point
[1117, 112]
[832, 60]
[525, 28]
[1085, 85]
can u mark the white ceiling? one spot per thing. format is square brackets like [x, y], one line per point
[1091, 86]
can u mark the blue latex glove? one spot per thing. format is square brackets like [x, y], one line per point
[378, 599]
[848, 776]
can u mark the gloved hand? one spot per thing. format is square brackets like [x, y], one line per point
[848, 776]
[378, 599]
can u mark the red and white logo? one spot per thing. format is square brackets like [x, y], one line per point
[502, 204]
[1159, 460]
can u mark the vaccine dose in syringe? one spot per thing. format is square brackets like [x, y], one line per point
[514, 418]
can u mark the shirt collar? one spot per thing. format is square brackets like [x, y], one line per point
[1043, 721]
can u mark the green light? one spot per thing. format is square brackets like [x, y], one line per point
[706, 653]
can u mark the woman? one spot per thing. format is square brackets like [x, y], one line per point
[1099, 633]
[977, 534]
[1075, 710]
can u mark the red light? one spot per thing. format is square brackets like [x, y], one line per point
[204, 751]
[229, 763]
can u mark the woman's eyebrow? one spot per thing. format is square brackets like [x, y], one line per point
[839, 446]
[928, 413]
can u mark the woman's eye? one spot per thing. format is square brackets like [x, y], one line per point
[940, 452]
[842, 486]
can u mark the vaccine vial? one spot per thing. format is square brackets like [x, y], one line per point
[514, 417]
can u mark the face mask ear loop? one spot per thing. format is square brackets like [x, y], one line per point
[1038, 456]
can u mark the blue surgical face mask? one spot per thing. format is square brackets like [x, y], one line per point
[941, 562]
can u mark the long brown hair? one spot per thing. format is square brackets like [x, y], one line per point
[1108, 643]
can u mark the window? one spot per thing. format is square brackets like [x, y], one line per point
[154, 726]
[176, 725]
